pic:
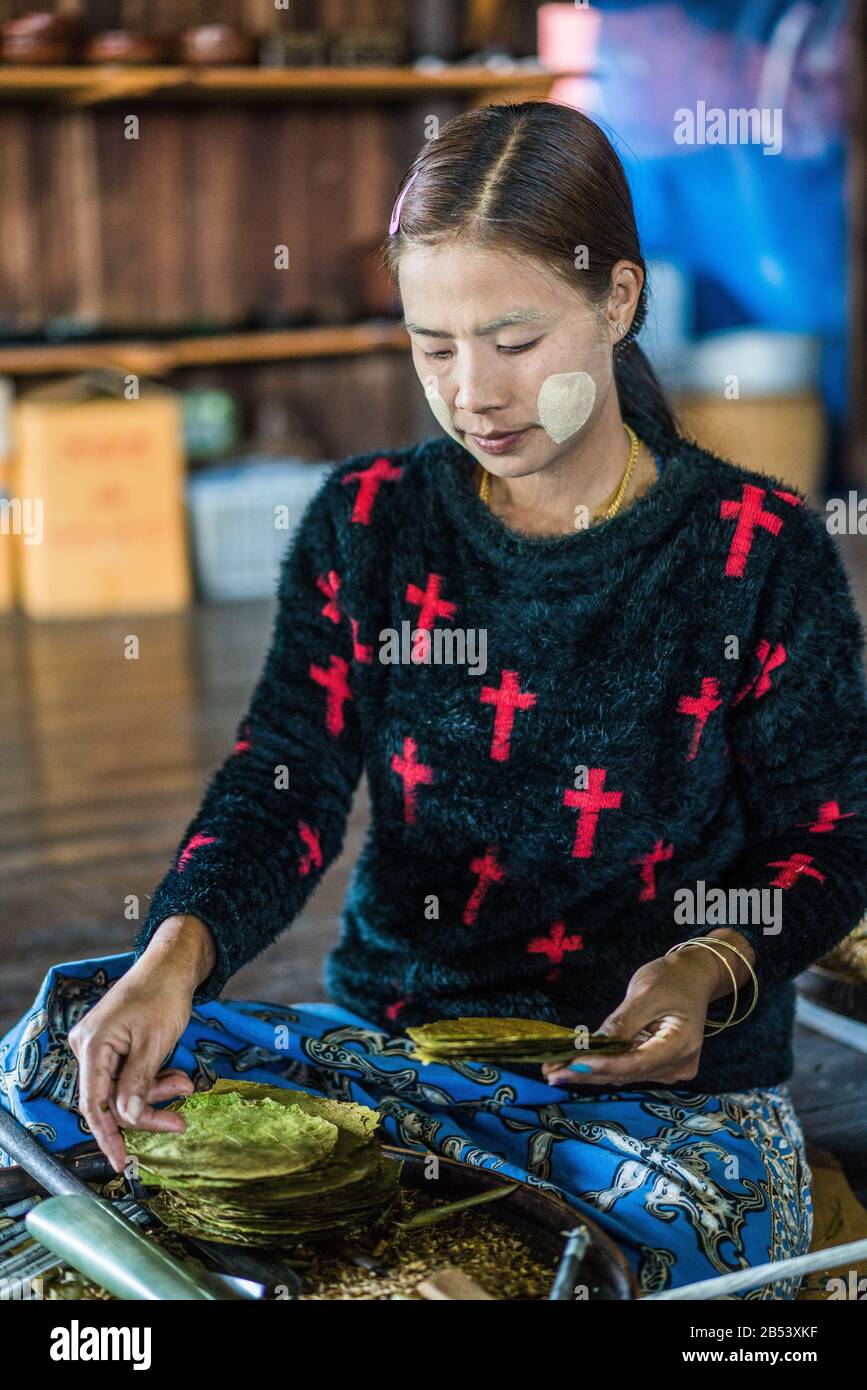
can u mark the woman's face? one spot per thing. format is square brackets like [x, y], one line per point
[501, 345]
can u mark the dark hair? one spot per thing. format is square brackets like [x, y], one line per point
[540, 179]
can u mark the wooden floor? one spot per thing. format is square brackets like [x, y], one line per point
[103, 762]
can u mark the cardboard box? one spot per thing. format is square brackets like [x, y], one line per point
[100, 480]
[780, 435]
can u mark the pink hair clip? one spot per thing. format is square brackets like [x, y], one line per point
[395, 212]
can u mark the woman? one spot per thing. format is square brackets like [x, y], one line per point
[593, 673]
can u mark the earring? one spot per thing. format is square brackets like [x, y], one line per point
[621, 327]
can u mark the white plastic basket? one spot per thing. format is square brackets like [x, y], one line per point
[236, 540]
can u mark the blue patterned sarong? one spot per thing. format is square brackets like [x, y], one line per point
[688, 1185]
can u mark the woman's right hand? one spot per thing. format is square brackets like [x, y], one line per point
[120, 1042]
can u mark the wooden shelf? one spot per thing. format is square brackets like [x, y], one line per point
[158, 357]
[90, 85]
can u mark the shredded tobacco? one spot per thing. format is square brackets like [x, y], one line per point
[483, 1246]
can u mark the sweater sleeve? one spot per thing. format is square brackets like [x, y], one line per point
[273, 816]
[798, 740]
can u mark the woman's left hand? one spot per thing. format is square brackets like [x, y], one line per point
[664, 1012]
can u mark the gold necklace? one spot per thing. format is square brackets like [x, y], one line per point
[606, 511]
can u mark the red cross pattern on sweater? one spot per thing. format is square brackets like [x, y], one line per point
[792, 868]
[700, 707]
[555, 946]
[750, 514]
[191, 846]
[412, 773]
[431, 606]
[362, 651]
[337, 690]
[791, 497]
[489, 871]
[768, 660]
[829, 814]
[312, 856]
[507, 699]
[647, 864]
[329, 587]
[392, 1010]
[590, 802]
[369, 481]
[245, 741]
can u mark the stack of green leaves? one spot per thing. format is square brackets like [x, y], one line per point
[262, 1165]
[506, 1040]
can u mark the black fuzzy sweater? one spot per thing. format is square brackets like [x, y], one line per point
[673, 699]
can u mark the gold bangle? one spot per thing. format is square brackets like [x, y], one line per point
[700, 941]
[753, 976]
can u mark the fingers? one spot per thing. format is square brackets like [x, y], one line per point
[166, 1086]
[635, 1013]
[665, 1047]
[584, 1056]
[98, 1064]
[121, 1045]
[665, 1052]
[161, 1121]
[169, 1084]
[135, 1083]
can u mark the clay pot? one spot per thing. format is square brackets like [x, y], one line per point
[123, 47]
[40, 38]
[210, 45]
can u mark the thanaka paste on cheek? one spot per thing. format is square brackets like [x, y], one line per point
[565, 402]
[441, 412]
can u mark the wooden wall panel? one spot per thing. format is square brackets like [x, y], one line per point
[74, 212]
[163, 180]
[179, 227]
[223, 230]
[285, 157]
[129, 221]
[328, 210]
[20, 268]
[371, 171]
